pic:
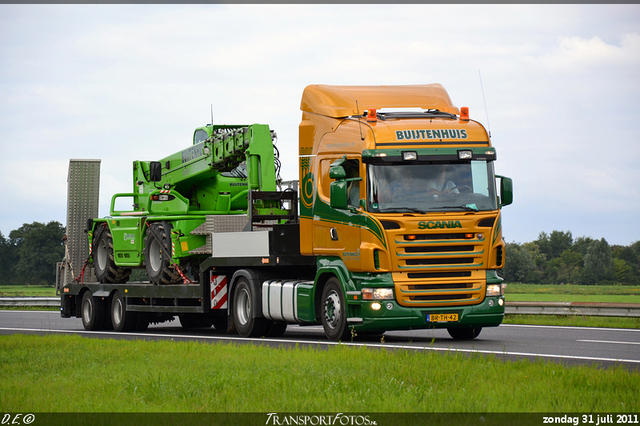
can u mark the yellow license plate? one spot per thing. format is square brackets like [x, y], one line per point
[442, 317]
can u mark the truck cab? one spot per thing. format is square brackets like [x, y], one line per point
[399, 200]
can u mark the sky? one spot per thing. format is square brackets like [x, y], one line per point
[558, 86]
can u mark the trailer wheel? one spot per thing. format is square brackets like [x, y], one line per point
[103, 260]
[93, 312]
[246, 324]
[122, 319]
[142, 322]
[334, 315]
[157, 254]
[464, 333]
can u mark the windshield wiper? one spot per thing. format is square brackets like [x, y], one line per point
[402, 209]
[470, 207]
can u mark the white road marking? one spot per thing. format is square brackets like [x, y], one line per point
[570, 327]
[609, 341]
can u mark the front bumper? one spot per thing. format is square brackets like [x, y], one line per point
[392, 316]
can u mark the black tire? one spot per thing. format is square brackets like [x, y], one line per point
[333, 311]
[103, 260]
[122, 319]
[243, 312]
[93, 312]
[464, 333]
[157, 255]
[220, 321]
[189, 321]
[142, 323]
[276, 329]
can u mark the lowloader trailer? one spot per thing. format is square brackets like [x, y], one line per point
[396, 225]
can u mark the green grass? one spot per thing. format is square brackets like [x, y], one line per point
[24, 291]
[517, 292]
[76, 374]
[573, 321]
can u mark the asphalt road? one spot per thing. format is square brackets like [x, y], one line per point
[569, 345]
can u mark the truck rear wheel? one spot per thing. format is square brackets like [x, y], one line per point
[276, 329]
[103, 260]
[93, 312]
[188, 321]
[246, 324]
[120, 318]
[157, 254]
[333, 310]
[464, 333]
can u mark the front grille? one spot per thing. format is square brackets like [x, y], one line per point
[436, 249]
[440, 269]
[442, 297]
[421, 275]
[446, 261]
[428, 251]
[432, 287]
[425, 237]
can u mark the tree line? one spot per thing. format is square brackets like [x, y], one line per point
[30, 254]
[558, 258]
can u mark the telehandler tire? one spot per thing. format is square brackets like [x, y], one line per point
[157, 255]
[103, 260]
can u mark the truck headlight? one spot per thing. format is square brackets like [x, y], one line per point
[377, 293]
[494, 290]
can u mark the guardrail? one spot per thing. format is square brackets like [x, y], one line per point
[630, 310]
[30, 301]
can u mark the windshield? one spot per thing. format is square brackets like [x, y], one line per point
[421, 188]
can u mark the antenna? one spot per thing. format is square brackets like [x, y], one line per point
[485, 104]
[359, 121]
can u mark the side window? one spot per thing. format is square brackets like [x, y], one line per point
[199, 136]
[325, 181]
[352, 169]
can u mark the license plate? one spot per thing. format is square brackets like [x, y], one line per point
[442, 318]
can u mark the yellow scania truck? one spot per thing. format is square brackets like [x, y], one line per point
[398, 203]
[395, 225]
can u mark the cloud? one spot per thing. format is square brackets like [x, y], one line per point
[125, 82]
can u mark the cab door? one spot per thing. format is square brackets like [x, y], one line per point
[337, 231]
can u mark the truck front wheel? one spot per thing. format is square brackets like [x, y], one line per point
[246, 324]
[103, 260]
[157, 254]
[464, 333]
[333, 310]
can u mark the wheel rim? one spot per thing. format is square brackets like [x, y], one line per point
[117, 311]
[102, 254]
[87, 311]
[243, 306]
[332, 309]
[155, 255]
